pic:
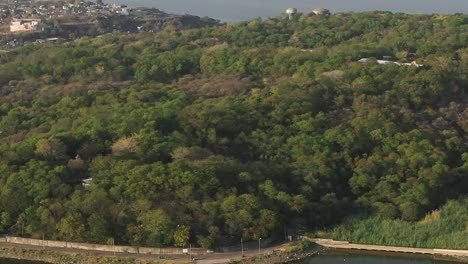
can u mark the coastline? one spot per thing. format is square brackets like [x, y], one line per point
[49, 254]
[319, 246]
[284, 253]
[329, 243]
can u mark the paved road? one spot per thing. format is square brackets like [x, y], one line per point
[211, 258]
[221, 258]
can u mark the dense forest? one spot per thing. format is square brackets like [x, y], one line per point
[244, 130]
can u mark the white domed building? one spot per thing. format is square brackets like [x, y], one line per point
[321, 12]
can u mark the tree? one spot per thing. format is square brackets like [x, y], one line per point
[98, 228]
[125, 146]
[410, 211]
[181, 235]
[158, 227]
[190, 154]
[5, 221]
[71, 227]
[387, 210]
[51, 149]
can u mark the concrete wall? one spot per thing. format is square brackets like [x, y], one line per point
[451, 252]
[346, 245]
[97, 247]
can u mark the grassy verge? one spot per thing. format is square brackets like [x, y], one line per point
[444, 228]
[59, 257]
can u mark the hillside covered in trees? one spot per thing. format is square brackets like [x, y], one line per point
[242, 130]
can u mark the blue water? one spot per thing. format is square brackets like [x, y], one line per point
[235, 10]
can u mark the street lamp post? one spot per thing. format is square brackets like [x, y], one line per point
[113, 245]
[242, 247]
[259, 245]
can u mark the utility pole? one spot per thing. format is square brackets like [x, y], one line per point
[111, 241]
[259, 245]
[190, 253]
[242, 247]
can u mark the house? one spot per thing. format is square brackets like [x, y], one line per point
[25, 25]
[321, 12]
[52, 39]
[413, 63]
[124, 11]
[86, 182]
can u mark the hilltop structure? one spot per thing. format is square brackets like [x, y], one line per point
[291, 12]
[321, 12]
[25, 25]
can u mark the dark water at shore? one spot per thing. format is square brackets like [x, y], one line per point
[355, 257]
[16, 261]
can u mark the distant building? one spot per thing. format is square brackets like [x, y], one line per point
[120, 9]
[52, 39]
[86, 182]
[413, 63]
[124, 11]
[291, 12]
[321, 12]
[25, 25]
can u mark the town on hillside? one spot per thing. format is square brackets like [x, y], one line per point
[37, 22]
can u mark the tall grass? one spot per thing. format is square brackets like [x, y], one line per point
[445, 228]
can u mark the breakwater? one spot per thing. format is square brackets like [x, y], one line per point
[329, 243]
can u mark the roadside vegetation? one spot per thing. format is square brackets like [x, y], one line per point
[246, 130]
[444, 228]
[21, 256]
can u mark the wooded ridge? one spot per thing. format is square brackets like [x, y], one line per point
[257, 129]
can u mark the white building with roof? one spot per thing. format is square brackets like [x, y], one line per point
[25, 25]
[413, 63]
[321, 11]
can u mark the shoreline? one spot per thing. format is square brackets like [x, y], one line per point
[320, 246]
[397, 255]
[281, 254]
[329, 243]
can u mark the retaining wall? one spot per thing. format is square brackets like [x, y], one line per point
[97, 247]
[451, 252]
[346, 245]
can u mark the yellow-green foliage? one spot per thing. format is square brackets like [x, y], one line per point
[236, 132]
[445, 228]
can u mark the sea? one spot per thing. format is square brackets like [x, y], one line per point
[337, 257]
[238, 10]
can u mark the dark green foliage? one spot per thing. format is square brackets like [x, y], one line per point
[206, 136]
